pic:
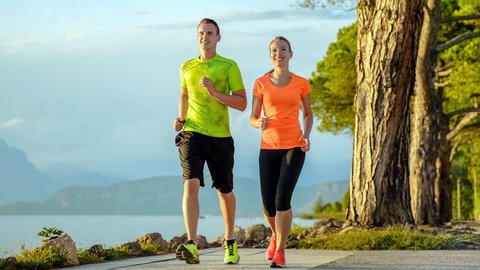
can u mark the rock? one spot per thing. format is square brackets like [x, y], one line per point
[96, 250]
[65, 245]
[238, 233]
[182, 239]
[132, 248]
[255, 235]
[467, 245]
[257, 232]
[176, 241]
[202, 242]
[155, 239]
[9, 263]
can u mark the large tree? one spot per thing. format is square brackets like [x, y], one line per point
[457, 81]
[430, 149]
[388, 34]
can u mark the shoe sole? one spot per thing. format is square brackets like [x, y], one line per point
[233, 262]
[184, 254]
[275, 265]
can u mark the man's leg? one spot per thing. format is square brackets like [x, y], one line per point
[190, 207]
[227, 205]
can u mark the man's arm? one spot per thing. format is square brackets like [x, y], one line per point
[182, 110]
[237, 100]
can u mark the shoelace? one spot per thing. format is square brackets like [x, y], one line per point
[230, 249]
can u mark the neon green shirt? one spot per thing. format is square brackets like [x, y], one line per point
[205, 114]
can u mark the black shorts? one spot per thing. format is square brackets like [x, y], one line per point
[195, 148]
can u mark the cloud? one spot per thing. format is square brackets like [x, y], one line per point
[24, 45]
[11, 123]
[234, 16]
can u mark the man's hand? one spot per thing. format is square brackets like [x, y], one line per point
[178, 124]
[207, 83]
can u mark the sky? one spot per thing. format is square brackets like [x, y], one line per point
[95, 84]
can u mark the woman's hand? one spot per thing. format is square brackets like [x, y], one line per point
[262, 122]
[306, 146]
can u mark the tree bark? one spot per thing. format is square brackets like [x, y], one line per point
[388, 34]
[424, 122]
[443, 185]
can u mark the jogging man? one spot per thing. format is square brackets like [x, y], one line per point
[210, 84]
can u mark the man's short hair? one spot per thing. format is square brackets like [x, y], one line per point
[207, 20]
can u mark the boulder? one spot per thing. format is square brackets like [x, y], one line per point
[66, 246]
[132, 248]
[155, 239]
[9, 263]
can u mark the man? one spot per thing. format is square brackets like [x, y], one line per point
[210, 84]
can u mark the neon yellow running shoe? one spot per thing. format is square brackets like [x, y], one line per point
[231, 253]
[188, 252]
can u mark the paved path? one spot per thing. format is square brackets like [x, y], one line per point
[309, 259]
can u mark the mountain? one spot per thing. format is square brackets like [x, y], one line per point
[20, 179]
[65, 175]
[162, 196]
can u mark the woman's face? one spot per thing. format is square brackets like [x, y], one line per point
[280, 52]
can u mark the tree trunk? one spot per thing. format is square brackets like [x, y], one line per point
[424, 122]
[443, 185]
[388, 34]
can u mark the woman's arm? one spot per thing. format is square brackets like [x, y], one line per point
[255, 120]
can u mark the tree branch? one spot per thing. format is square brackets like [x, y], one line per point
[443, 84]
[466, 119]
[444, 73]
[456, 40]
[460, 18]
[463, 111]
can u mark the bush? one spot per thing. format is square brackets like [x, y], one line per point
[40, 259]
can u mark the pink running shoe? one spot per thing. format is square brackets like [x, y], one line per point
[278, 260]
[271, 247]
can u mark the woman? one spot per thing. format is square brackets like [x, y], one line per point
[282, 152]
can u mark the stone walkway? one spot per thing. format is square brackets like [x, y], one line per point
[309, 259]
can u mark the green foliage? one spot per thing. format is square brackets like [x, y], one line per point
[335, 207]
[149, 248]
[117, 253]
[85, 256]
[296, 229]
[334, 83]
[385, 239]
[40, 259]
[49, 233]
[345, 201]
[463, 169]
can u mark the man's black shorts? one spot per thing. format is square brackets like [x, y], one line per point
[195, 148]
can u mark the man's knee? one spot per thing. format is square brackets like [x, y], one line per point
[191, 186]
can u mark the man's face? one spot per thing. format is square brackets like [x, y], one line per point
[207, 36]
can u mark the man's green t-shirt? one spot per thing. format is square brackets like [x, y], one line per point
[205, 114]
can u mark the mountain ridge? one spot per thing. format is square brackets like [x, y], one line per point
[162, 195]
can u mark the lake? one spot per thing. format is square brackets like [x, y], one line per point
[108, 231]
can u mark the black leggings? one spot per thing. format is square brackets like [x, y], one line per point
[279, 172]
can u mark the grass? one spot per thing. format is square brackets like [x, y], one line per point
[384, 239]
[39, 259]
[323, 216]
[48, 259]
